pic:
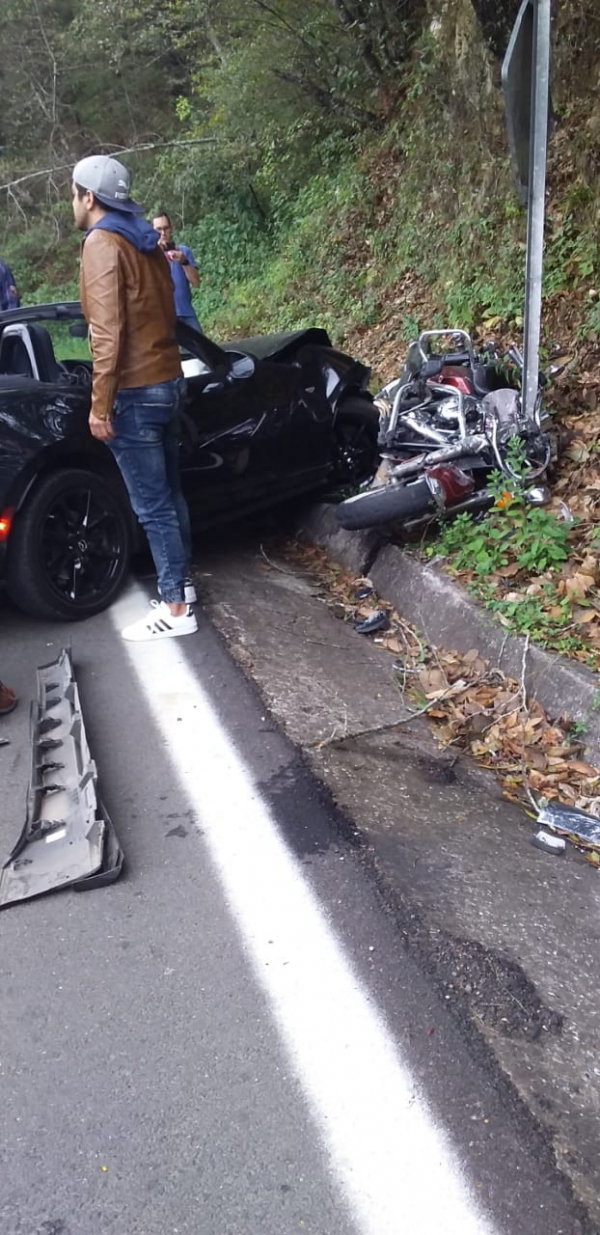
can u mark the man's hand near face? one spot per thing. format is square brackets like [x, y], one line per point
[190, 271]
[101, 429]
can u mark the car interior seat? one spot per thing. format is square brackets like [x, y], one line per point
[48, 366]
[15, 358]
[27, 351]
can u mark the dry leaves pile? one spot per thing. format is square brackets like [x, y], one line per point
[473, 706]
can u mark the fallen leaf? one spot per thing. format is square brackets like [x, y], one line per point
[583, 616]
[583, 769]
[579, 584]
[536, 758]
[478, 722]
[432, 681]
[577, 451]
[393, 645]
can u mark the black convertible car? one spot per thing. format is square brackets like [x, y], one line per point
[266, 419]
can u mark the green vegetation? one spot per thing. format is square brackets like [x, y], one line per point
[516, 534]
[515, 540]
[328, 163]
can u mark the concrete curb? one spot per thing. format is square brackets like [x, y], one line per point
[448, 618]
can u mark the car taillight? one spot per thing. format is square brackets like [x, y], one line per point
[5, 522]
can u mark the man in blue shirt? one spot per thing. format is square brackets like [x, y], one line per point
[184, 272]
[9, 297]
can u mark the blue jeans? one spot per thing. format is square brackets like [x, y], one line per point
[146, 448]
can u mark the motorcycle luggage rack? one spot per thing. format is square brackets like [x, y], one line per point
[421, 356]
[462, 335]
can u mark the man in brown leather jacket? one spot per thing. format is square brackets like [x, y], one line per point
[138, 388]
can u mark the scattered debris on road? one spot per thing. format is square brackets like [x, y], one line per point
[376, 621]
[68, 839]
[473, 706]
[549, 844]
[578, 825]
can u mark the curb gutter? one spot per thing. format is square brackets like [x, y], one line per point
[448, 618]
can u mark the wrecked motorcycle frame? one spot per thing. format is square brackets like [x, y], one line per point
[445, 424]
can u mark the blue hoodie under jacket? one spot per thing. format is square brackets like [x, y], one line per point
[137, 231]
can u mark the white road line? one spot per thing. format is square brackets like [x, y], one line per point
[395, 1166]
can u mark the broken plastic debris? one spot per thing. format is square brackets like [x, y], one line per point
[571, 821]
[565, 513]
[378, 620]
[549, 844]
[67, 839]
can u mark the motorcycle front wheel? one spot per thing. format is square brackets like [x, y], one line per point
[391, 504]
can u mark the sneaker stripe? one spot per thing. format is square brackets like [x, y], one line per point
[161, 624]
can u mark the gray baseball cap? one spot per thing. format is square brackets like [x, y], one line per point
[108, 180]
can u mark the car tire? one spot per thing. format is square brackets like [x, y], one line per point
[356, 456]
[391, 503]
[70, 546]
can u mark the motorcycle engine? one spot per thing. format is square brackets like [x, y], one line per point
[446, 412]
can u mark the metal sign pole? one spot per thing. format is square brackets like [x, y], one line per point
[540, 96]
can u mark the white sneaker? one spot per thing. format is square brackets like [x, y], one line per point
[159, 623]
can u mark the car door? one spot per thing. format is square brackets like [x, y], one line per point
[36, 417]
[241, 443]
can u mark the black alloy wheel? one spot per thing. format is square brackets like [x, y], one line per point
[70, 547]
[355, 455]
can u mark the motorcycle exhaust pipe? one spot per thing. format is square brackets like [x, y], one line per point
[470, 445]
[479, 501]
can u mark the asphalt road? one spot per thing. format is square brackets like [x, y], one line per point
[231, 1040]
